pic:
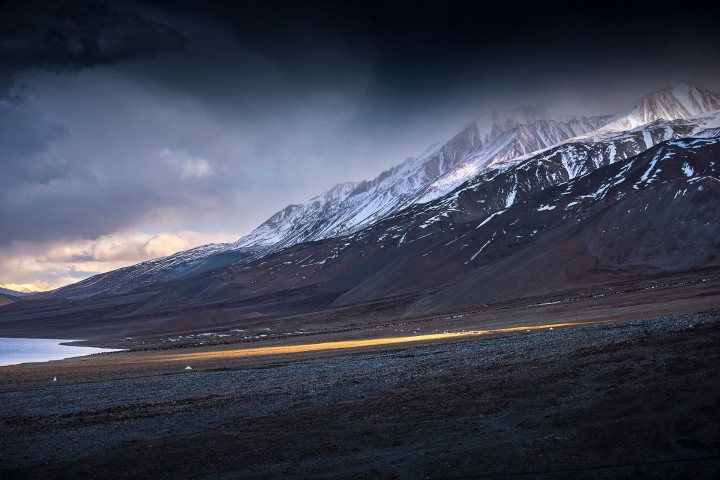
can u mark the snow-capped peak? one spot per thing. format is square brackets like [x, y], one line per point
[674, 102]
[337, 193]
[523, 115]
[487, 128]
[496, 141]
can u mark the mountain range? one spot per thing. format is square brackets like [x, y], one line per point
[521, 203]
[485, 146]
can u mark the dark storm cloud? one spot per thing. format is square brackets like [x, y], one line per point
[43, 193]
[25, 131]
[70, 36]
[421, 49]
[402, 63]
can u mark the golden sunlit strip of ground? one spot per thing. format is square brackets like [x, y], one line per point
[350, 344]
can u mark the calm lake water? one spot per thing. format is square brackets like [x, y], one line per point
[24, 350]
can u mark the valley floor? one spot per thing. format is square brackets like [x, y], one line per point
[622, 399]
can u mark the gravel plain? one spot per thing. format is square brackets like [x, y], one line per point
[630, 399]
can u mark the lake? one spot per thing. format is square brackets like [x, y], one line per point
[24, 350]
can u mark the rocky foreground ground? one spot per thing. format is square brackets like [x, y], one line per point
[630, 399]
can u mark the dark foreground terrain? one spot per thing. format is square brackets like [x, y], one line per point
[628, 399]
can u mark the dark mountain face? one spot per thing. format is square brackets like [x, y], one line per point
[349, 207]
[527, 204]
[166, 269]
[6, 299]
[570, 146]
[527, 230]
[655, 212]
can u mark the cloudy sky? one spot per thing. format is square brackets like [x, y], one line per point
[131, 130]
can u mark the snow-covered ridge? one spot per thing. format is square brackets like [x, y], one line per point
[675, 102]
[586, 153]
[488, 143]
[521, 140]
[347, 208]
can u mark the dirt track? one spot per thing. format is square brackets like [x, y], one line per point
[631, 399]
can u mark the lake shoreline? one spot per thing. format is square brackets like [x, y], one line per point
[19, 351]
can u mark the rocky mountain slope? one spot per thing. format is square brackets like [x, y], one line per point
[349, 207]
[483, 151]
[655, 212]
[173, 267]
[644, 217]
